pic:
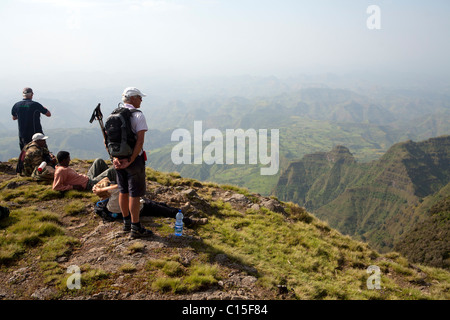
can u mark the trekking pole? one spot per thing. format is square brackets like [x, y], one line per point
[97, 115]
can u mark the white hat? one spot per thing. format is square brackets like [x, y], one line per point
[132, 91]
[39, 136]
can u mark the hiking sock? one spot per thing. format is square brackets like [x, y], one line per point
[127, 223]
[136, 226]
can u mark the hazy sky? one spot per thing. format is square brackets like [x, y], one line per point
[55, 42]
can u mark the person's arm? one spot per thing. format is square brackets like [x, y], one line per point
[96, 189]
[14, 113]
[104, 192]
[124, 163]
[139, 145]
[44, 110]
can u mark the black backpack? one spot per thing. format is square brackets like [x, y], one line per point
[120, 138]
[101, 210]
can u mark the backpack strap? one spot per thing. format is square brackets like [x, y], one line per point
[121, 108]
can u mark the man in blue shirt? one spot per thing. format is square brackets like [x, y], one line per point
[28, 114]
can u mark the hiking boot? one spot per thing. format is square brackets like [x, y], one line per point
[200, 221]
[191, 222]
[140, 232]
[185, 207]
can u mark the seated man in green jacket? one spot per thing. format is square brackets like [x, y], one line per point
[36, 152]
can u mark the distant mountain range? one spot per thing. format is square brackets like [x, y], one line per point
[313, 119]
[372, 201]
[362, 186]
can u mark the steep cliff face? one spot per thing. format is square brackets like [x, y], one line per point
[316, 179]
[428, 241]
[367, 200]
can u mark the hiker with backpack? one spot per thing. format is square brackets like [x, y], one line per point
[125, 134]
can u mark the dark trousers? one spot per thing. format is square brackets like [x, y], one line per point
[150, 208]
[158, 209]
[23, 142]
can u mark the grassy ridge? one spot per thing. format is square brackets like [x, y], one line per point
[303, 253]
[290, 248]
[311, 259]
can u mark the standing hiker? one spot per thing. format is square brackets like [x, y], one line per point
[28, 114]
[131, 168]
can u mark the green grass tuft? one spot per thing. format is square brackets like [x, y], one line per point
[27, 228]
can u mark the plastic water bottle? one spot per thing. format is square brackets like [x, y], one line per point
[42, 166]
[179, 224]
